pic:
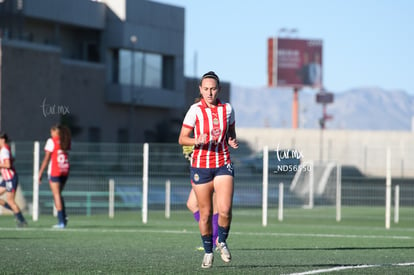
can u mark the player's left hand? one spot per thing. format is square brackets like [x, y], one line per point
[188, 151]
[233, 143]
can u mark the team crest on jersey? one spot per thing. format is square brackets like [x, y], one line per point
[196, 177]
[216, 121]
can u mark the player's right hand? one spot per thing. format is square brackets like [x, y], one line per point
[201, 140]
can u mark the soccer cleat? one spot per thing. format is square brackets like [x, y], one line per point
[21, 224]
[199, 248]
[59, 226]
[224, 252]
[207, 260]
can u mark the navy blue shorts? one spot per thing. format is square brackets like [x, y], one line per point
[204, 175]
[59, 179]
[10, 185]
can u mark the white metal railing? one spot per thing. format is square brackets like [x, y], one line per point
[146, 177]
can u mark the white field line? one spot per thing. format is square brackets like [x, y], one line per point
[264, 234]
[312, 235]
[339, 268]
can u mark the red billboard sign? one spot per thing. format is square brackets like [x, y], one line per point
[294, 62]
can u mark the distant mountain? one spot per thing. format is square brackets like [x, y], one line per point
[368, 108]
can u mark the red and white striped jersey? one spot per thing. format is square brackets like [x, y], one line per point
[5, 153]
[214, 122]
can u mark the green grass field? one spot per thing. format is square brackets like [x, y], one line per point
[306, 242]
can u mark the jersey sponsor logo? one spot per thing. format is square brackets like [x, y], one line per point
[62, 161]
[215, 133]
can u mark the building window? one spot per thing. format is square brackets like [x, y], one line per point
[168, 75]
[115, 67]
[152, 75]
[123, 135]
[94, 134]
[92, 52]
[143, 69]
[94, 139]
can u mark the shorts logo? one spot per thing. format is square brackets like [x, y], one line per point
[230, 167]
[9, 185]
[196, 177]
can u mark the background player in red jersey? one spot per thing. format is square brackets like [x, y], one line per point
[56, 155]
[212, 124]
[10, 180]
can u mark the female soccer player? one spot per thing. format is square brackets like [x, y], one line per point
[10, 180]
[56, 155]
[213, 125]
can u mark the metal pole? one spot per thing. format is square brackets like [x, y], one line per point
[338, 192]
[35, 202]
[388, 190]
[111, 210]
[265, 184]
[311, 183]
[145, 183]
[168, 199]
[295, 108]
[280, 210]
[397, 204]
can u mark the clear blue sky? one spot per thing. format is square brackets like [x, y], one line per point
[365, 42]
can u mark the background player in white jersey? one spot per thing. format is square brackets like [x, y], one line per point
[209, 125]
[10, 180]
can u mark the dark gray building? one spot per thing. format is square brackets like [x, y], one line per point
[113, 70]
